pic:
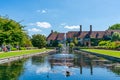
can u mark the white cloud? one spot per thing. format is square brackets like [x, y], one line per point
[42, 11]
[43, 70]
[34, 30]
[43, 24]
[72, 27]
[62, 24]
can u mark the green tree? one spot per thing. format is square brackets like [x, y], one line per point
[60, 45]
[116, 36]
[114, 27]
[27, 41]
[72, 45]
[55, 43]
[95, 41]
[11, 32]
[75, 41]
[38, 40]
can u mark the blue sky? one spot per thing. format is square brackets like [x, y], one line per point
[41, 16]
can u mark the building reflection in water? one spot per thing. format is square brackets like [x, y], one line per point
[65, 60]
[82, 61]
[71, 65]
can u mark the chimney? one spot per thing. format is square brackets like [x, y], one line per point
[90, 28]
[51, 31]
[80, 28]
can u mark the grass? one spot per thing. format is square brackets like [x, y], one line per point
[105, 52]
[22, 52]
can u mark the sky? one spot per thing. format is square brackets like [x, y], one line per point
[42, 16]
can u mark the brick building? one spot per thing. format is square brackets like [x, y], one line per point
[83, 37]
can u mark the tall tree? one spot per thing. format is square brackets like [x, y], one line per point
[116, 36]
[38, 40]
[11, 32]
[114, 27]
[27, 41]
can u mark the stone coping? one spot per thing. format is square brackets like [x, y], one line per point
[13, 58]
[101, 55]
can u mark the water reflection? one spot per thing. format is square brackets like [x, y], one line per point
[12, 70]
[92, 61]
[116, 70]
[62, 60]
[37, 60]
[75, 66]
[83, 61]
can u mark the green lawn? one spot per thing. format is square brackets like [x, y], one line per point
[22, 52]
[105, 52]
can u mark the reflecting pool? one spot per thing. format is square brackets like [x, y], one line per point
[76, 66]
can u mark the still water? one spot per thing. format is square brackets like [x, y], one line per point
[76, 66]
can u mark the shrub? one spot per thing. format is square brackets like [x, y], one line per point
[109, 44]
[117, 44]
[60, 45]
[13, 49]
[22, 48]
[104, 43]
[72, 45]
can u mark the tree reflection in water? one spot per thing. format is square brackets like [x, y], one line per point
[39, 59]
[91, 61]
[12, 70]
[115, 70]
[60, 67]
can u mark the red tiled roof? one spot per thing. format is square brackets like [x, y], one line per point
[101, 34]
[71, 34]
[110, 32]
[93, 34]
[60, 36]
[52, 36]
[83, 34]
[97, 34]
[113, 30]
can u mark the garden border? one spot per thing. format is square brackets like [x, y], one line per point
[14, 58]
[101, 55]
